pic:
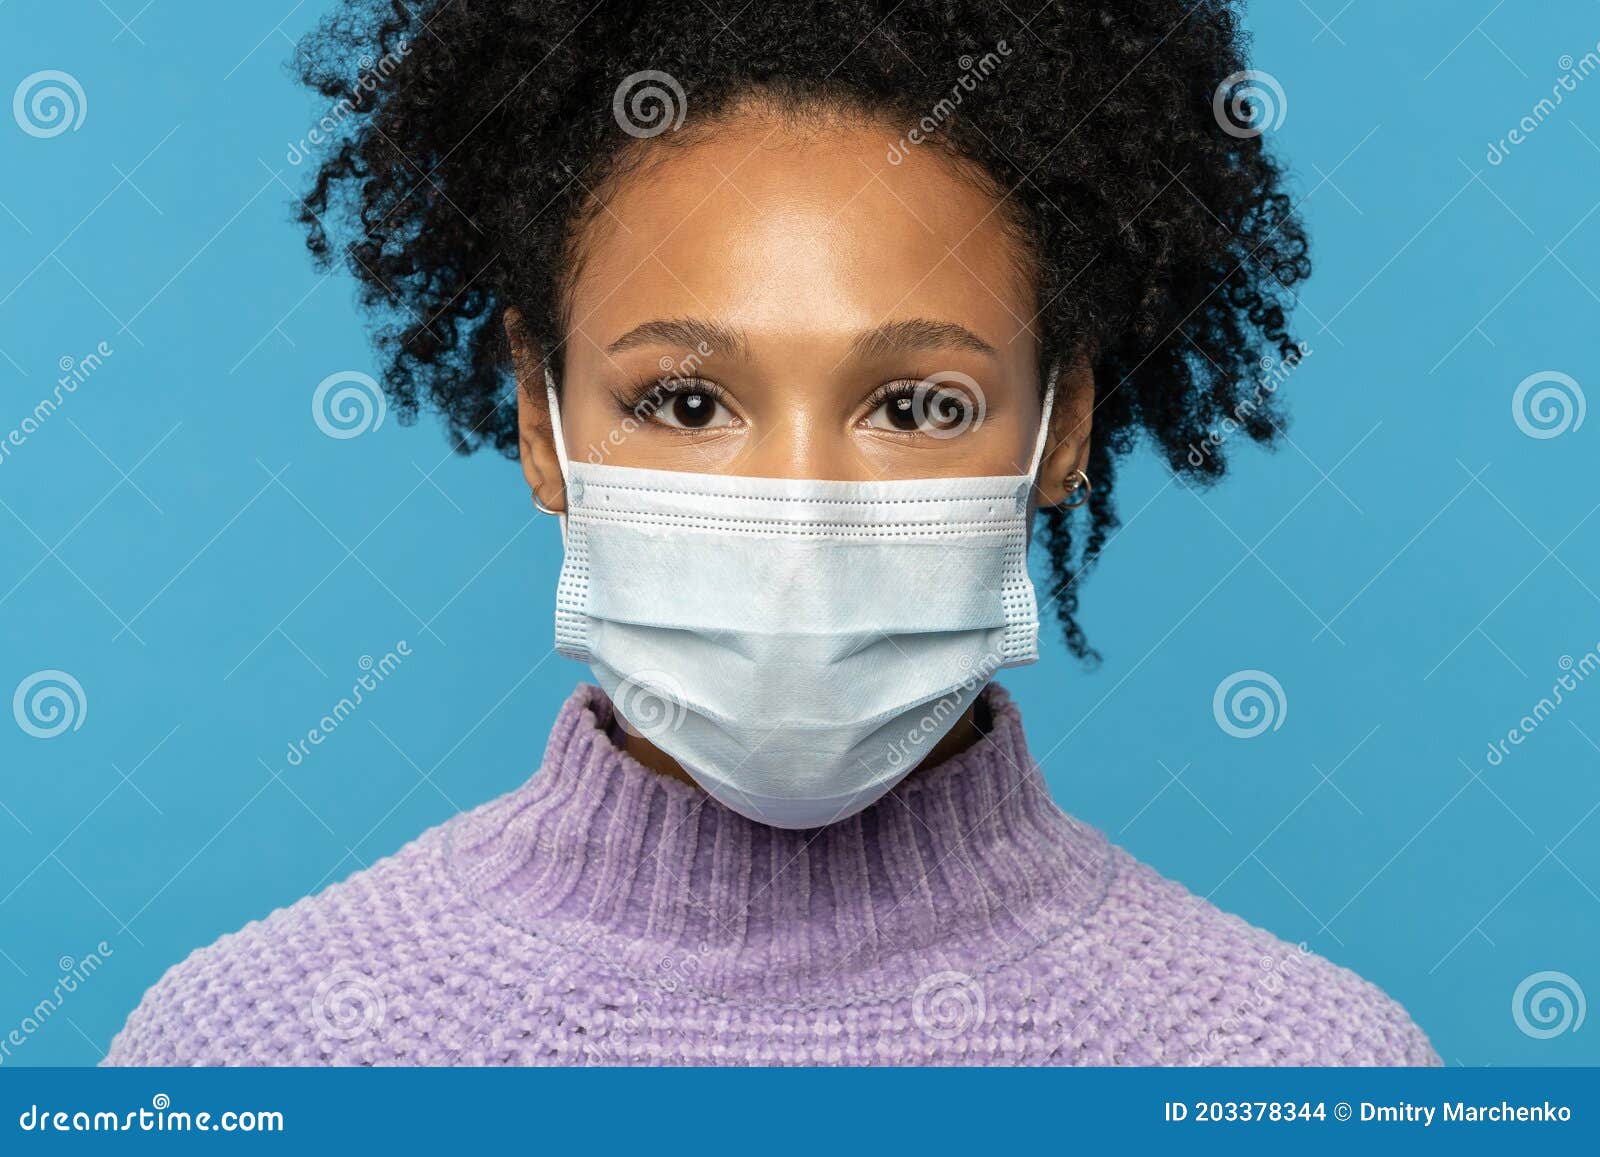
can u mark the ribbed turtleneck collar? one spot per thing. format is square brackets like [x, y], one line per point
[962, 866]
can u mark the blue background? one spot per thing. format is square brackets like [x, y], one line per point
[1410, 566]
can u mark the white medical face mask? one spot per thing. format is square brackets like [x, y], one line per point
[798, 646]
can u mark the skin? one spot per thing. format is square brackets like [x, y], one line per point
[814, 273]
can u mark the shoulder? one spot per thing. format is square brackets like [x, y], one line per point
[1212, 989]
[350, 976]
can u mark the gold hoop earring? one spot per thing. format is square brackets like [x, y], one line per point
[1080, 486]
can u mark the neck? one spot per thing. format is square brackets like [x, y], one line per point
[970, 860]
[974, 724]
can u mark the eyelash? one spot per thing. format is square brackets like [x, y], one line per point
[891, 392]
[630, 399]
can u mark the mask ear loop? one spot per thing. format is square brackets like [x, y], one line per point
[1039, 442]
[1044, 424]
[561, 441]
[1021, 643]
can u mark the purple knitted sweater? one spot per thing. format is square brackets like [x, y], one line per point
[605, 914]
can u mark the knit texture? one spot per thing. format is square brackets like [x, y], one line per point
[605, 914]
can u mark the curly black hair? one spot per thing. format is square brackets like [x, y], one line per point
[471, 140]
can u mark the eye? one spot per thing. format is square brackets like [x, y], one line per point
[898, 412]
[691, 406]
[940, 409]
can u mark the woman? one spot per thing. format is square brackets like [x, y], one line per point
[799, 320]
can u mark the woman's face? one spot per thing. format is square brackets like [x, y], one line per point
[785, 302]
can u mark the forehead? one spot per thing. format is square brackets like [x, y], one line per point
[765, 224]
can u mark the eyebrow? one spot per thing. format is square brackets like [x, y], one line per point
[918, 333]
[689, 332]
[894, 337]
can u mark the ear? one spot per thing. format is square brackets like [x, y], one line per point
[536, 444]
[1067, 444]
